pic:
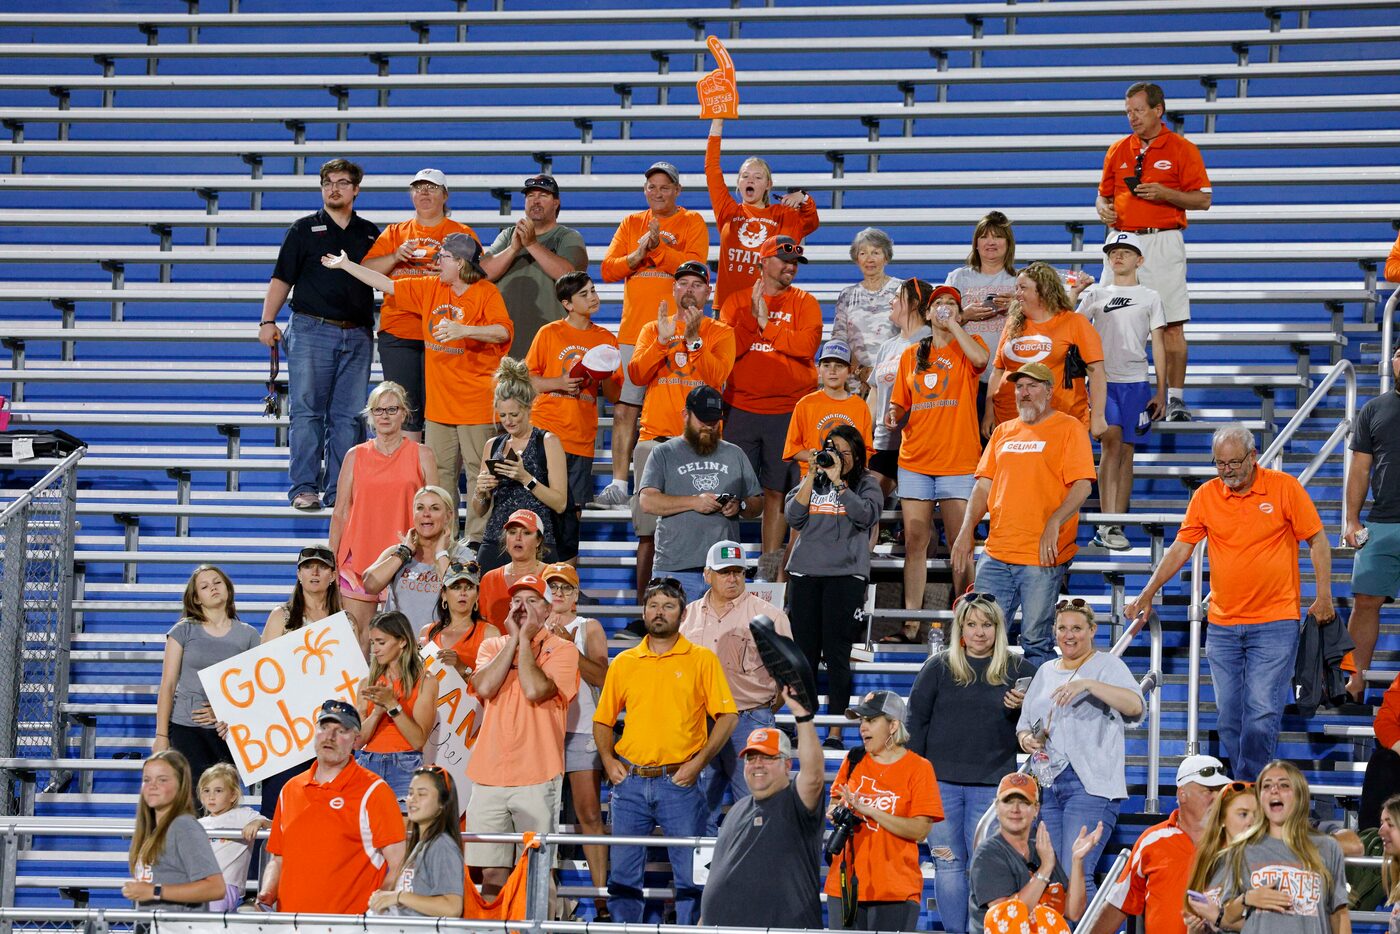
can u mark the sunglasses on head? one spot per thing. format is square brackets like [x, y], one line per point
[1240, 786]
[1077, 603]
[973, 596]
[435, 770]
[457, 567]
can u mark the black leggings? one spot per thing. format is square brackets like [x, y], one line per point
[824, 614]
[202, 747]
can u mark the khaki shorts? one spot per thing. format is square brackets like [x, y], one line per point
[510, 809]
[643, 522]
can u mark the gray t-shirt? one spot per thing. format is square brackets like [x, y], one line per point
[976, 288]
[1125, 317]
[187, 857]
[200, 651]
[999, 871]
[1087, 734]
[414, 592]
[1378, 434]
[863, 319]
[883, 372]
[1271, 864]
[436, 869]
[528, 290]
[674, 468]
[757, 836]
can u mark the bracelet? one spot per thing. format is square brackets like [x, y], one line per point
[398, 897]
[404, 553]
[442, 553]
[163, 735]
[805, 718]
[263, 324]
[1220, 918]
[1043, 879]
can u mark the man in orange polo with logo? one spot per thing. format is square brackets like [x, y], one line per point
[1154, 882]
[669, 687]
[1254, 518]
[1151, 178]
[645, 252]
[1036, 472]
[526, 679]
[337, 834]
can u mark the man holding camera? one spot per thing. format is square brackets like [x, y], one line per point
[697, 486]
[1151, 178]
[779, 824]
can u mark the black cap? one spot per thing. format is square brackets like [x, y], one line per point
[339, 711]
[693, 268]
[541, 183]
[316, 553]
[705, 403]
[464, 247]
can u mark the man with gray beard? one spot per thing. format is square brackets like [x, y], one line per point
[697, 485]
[1035, 473]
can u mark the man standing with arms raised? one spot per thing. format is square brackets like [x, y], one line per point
[1151, 178]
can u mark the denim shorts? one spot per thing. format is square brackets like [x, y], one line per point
[396, 768]
[921, 486]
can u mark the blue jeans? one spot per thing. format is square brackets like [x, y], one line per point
[726, 769]
[1251, 666]
[1065, 807]
[1035, 590]
[692, 581]
[950, 843]
[328, 370]
[638, 806]
[396, 768]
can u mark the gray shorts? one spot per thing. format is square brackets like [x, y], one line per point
[761, 438]
[581, 753]
[632, 394]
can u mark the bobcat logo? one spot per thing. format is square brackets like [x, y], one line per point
[705, 482]
[752, 232]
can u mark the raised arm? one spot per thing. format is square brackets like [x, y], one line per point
[366, 275]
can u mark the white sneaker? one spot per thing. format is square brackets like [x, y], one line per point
[1113, 539]
[614, 494]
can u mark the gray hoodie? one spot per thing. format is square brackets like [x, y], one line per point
[835, 530]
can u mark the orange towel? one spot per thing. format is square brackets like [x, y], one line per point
[509, 905]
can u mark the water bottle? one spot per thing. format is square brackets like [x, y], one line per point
[935, 639]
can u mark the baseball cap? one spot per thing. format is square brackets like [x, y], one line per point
[464, 247]
[770, 741]
[527, 582]
[835, 350]
[540, 183]
[339, 711]
[946, 290]
[319, 553]
[1119, 238]
[1034, 371]
[693, 268]
[705, 403]
[784, 248]
[725, 555]
[527, 518]
[560, 571]
[671, 171]
[430, 175]
[1018, 783]
[1202, 770]
[878, 704]
[462, 571]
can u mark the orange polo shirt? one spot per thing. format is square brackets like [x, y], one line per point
[773, 368]
[1387, 720]
[522, 743]
[574, 419]
[1169, 159]
[331, 838]
[816, 414]
[1154, 882]
[392, 318]
[458, 374]
[670, 371]
[1253, 550]
[1032, 468]
[667, 698]
[684, 237]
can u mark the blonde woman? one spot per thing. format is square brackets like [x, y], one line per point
[398, 703]
[978, 684]
[412, 570]
[1389, 833]
[172, 864]
[1231, 816]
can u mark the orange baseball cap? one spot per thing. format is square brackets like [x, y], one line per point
[528, 582]
[560, 571]
[1019, 783]
[770, 741]
[524, 517]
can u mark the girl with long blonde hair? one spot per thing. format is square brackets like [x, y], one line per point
[171, 861]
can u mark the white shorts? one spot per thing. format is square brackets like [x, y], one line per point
[1163, 271]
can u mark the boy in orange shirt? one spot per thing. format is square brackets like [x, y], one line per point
[818, 412]
[567, 405]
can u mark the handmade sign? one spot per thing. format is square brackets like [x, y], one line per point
[458, 723]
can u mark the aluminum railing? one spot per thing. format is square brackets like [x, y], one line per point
[1388, 341]
[1091, 914]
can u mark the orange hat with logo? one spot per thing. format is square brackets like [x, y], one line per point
[1019, 783]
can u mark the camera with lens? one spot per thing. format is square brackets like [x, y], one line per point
[822, 461]
[825, 458]
[844, 822]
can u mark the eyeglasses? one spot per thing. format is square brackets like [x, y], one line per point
[318, 553]
[385, 410]
[562, 589]
[457, 567]
[1235, 464]
[1137, 164]
[667, 585]
[338, 184]
[787, 249]
[426, 186]
[435, 770]
[760, 757]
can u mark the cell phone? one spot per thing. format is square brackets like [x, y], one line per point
[494, 462]
[1197, 896]
[724, 499]
[1022, 684]
[1132, 182]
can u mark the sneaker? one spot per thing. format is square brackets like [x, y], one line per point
[1112, 538]
[306, 502]
[833, 742]
[614, 494]
[1177, 411]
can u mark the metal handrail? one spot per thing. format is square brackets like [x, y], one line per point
[1388, 340]
[1272, 458]
[1091, 914]
[27, 497]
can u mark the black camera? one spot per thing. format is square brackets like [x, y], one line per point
[825, 458]
[844, 822]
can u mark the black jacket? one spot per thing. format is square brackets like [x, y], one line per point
[1317, 673]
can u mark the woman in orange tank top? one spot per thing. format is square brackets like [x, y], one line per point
[398, 703]
[458, 628]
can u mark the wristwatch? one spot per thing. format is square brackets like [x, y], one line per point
[532, 484]
[156, 890]
[694, 345]
[394, 712]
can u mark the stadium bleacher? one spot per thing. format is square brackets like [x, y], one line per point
[158, 152]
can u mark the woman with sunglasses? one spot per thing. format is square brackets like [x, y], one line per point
[833, 509]
[934, 399]
[972, 683]
[1231, 815]
[1072, 725]
[458, 628]
[411, 571]
[398, 703]
[1283, 876]
[430, 884]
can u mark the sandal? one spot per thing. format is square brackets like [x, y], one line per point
[902, 636]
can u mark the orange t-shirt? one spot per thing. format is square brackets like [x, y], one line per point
[684, 237]
[670, 371]
[1032, 468]
[1154, 882]
[574, 419]
[744, 227]
[458, 374]
[1387, 722]
[816, 414]
[1253, 550]
[522, 743]
[1170, 160]
[392, 318]
[467, 646]
[381, 505]
[886, 865]
[494, 600]
[942, 437]
[773, 368]
[1047, 342]
[331, 837]
[387, 736]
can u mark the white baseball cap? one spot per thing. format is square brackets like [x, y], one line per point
[1117, 238]
[1202, 770]
[725, 555]
[430, 175]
